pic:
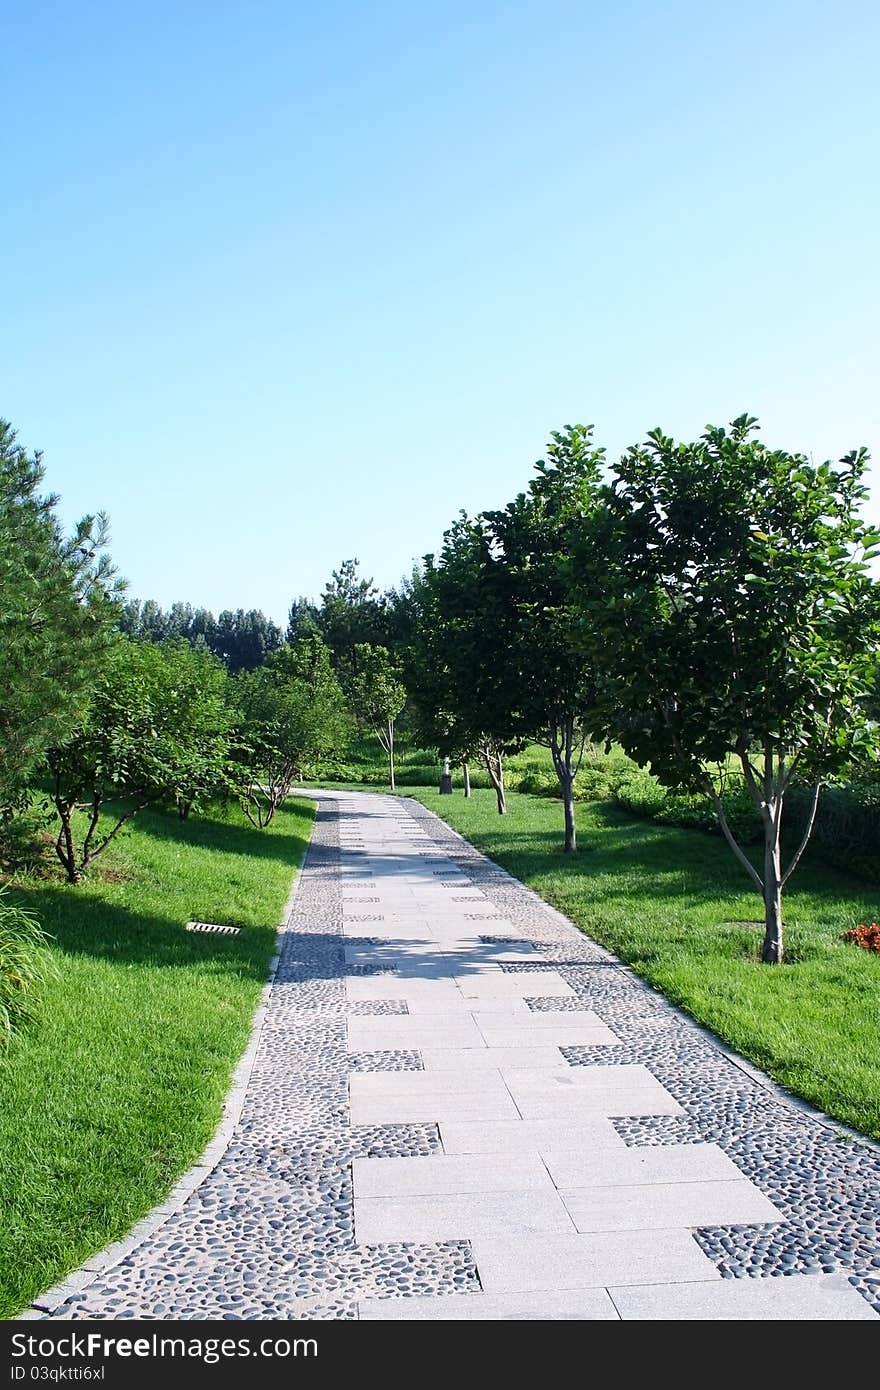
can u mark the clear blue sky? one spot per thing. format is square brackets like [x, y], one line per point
[284, 283]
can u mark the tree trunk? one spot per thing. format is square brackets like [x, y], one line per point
[568, 807]
[467, 776]
[494, 763]
[562, 751]
[772, 950]
[67, 854]
[391, 753]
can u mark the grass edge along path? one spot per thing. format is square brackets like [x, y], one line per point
[113, 1093]
[676, 908]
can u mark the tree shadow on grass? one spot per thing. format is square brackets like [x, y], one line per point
[643, 861]
[233, 836]
[81, 923]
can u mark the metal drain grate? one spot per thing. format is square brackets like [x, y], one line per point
[213, 927]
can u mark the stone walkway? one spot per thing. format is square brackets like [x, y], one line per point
[463, 1108]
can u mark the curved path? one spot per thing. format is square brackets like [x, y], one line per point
[460, 1107]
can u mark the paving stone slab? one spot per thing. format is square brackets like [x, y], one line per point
[549, 1019]
[659, 1206]
[611, 1090]
[609, 1258]
[581, 1305]
[379, 1220]
[796, 1298]
[443, 1175]
[483, 984]
[573, 1034]
[407, 1031]
[412, 1109]
[667, 1163]
[361, 987]
[425, 1003]
[489, 1058]
[589, 1136]
[394, 1084]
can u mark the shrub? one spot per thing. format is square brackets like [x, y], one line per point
[416, 775]
[592, 784]
[644, 796]
[847, 829]
[535, 783]
[24, 965]
[641, 794]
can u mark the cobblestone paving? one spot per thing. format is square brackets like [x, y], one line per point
[270, 1233]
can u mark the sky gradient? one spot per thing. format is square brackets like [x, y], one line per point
[285, 283]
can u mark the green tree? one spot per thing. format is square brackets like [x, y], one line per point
[377, 695]
[156, 728]
[460, 664]
[350, 614]
[244, 640]
[738, 624]
[302, 619]
[149, 622]
[291, 714]
[547, 682]
[58, 608]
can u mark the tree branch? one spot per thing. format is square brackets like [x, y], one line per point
[141, 806]
[814, 805]
[728, 835]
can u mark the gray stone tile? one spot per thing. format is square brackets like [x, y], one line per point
[361, 987]
[661, 1206]
[612, 1090]
[535, 1263]
[424, 1083]
[398, 931]
[574, 1105]
[448, 1058]
[581, 1305]
[572, 1034]
[403, 1032]
[662, 1163]
[379, 1220]
[590, 1136]
[443, 1175]
[424, 1003]
[414, 1109]
[793, 1298]
[529, 984]
[549, 1019]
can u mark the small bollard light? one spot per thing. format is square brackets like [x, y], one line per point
[446, 779]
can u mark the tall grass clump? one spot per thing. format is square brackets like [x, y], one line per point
[24, 965]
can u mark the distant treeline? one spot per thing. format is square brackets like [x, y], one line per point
[350, 612]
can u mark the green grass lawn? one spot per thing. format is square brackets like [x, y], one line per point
[664, 900]
[110, 1096]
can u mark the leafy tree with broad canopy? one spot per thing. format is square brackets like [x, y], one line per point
[291, 713]
[739, 625]
[156, 728]
[58, 609]
[377, 695]
[459, 665]
[547, 683]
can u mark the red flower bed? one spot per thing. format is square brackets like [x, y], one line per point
[868, 937]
